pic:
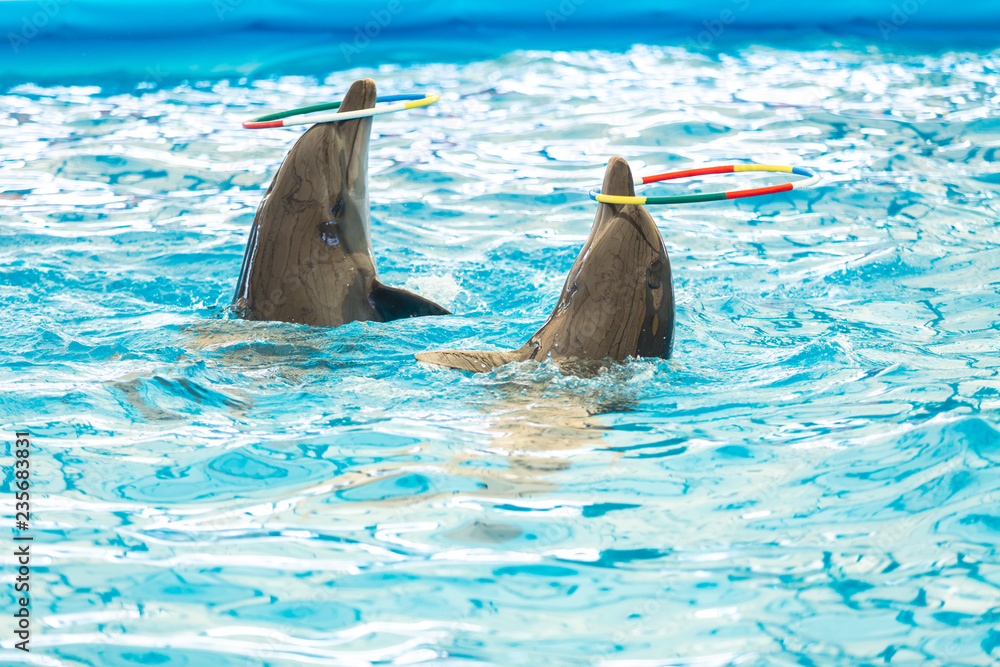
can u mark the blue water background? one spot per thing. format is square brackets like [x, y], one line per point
[118, 18]
[812, 479]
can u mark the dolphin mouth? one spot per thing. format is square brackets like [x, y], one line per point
[361, 95]
[346, 222]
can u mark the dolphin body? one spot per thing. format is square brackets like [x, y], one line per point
[309, 258]
[618, 300]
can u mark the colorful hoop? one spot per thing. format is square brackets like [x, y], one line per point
[314, 114]
[810, 180]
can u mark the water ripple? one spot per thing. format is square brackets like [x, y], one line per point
[812, 479]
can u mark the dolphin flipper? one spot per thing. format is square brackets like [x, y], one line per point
[475, 361]
[394, 304]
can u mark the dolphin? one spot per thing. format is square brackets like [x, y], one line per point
[618, 300]
[309, 259]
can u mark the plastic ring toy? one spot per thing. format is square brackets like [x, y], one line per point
[315, 113]
[810, 180]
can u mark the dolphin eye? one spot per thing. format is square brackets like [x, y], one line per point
[329, 232]
[653, 274]
[564, 303]
[337, 209]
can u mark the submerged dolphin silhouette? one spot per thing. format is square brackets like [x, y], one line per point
[309, 258]
[618, 300]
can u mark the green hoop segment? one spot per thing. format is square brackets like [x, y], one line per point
[315, 113]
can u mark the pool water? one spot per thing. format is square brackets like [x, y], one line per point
[813, 478]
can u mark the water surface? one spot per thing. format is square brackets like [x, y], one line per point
[811, 479]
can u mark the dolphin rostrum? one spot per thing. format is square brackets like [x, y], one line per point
[309, 258]
[618, 300]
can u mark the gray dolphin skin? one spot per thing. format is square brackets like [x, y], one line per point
[309, 259]
[618, 300]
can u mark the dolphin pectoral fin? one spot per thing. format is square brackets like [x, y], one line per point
[395, 304]
[476, 361]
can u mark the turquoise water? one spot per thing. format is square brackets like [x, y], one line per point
[812, 479]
